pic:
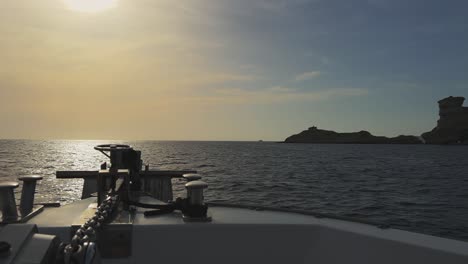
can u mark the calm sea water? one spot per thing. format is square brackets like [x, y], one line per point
[415, 187]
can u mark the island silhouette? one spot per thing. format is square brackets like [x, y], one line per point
[452, 128]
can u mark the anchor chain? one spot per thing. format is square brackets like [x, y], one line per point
[82, 247]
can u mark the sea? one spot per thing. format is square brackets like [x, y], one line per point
[420, 188]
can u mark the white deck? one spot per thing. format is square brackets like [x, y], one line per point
[248, 236]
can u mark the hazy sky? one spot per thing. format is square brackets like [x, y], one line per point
[227, 70]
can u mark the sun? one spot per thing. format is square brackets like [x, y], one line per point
[90, 6]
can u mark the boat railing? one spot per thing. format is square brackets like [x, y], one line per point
[158, 183]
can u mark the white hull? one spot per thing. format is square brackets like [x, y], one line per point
[248, 236]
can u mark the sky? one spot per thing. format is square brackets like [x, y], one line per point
[227, 70]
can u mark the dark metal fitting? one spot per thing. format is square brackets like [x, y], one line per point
[85, 239]
[80, 232]
[4, 248]
[75, 241]
[89, 231]
[92, 223]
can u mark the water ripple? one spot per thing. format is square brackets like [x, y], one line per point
[417, 188]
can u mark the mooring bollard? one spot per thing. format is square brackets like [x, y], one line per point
[195, 192]
[27, 194]
[7, 200]
[191, 177]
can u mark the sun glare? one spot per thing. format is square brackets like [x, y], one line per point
[90, 6]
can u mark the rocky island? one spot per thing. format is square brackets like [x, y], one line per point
[452, 127]
[315, 135]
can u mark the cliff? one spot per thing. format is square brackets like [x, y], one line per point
[452, 126]
[315, 135]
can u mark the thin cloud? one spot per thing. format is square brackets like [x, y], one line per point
[281, 89]
[273, 95]
[307, 75]
[281, 5]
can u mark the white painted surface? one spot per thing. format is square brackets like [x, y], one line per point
[248, 236]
